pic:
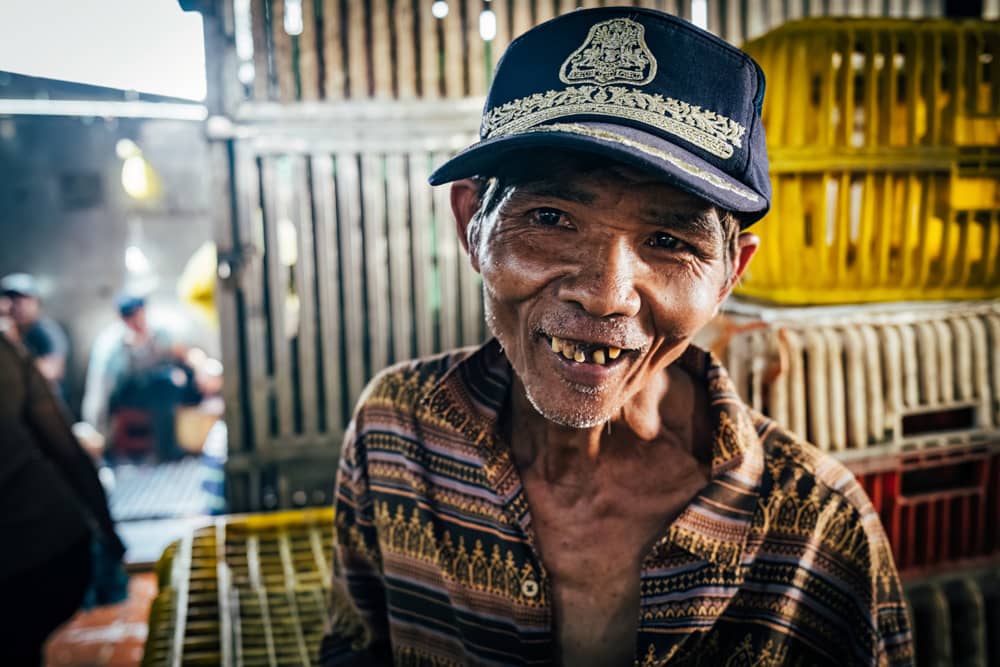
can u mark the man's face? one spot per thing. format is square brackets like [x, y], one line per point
[136, 321]
[24, 309]
[615, 269]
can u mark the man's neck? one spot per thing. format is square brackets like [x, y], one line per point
[24, 327]
[661, 414]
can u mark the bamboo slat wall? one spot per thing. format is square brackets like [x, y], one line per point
[358, 267]
[399, 49]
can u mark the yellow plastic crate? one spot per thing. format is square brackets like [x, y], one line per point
[884, 139]
[248, 590]
[842, 232]
[864, 85]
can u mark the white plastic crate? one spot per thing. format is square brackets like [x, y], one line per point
[891, 376]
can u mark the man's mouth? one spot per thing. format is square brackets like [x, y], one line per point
[583, 352]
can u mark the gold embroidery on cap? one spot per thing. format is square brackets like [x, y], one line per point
[708, 130]
[712, 179]
[615, 51]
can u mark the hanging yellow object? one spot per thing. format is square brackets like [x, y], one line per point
[196, 285]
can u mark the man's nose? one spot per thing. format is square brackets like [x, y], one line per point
[604, 283]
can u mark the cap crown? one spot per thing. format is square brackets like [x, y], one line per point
[641, 68]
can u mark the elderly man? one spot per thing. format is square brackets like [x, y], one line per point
[587, 488]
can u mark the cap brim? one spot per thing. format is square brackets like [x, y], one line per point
[624, 144]
[11, 293]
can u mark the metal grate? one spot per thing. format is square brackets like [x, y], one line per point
[161, 491]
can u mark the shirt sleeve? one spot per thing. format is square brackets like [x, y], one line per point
[358, 627]
[58, 342]
[99, 382]
[892, 624]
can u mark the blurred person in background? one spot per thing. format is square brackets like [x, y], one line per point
[136, 378]
[58, 535]
[40, 335]
[6, 324]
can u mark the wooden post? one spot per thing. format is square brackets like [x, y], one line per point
[455, 58]
[274, 201]
[381, 49]
[328, 286]
[478, 67]
[305, 288]
[447, 265]
[430, 82]
[228, 241]
[420, 230]
[261, 66]
[308, 53]
[349, 217]
[357, 51]
[282, 53]
[406, 51]
[376, 260]
[250, 229]
[333, 54]
[397, 196]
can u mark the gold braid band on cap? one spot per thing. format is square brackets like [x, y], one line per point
[707, 130]
[712, 179]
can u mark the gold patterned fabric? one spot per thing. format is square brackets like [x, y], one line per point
[779, 560]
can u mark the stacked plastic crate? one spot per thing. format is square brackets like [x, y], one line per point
[869, 322]
[250, 590]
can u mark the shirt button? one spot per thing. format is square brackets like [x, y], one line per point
[529, 587]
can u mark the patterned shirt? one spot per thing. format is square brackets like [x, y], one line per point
[779, 560]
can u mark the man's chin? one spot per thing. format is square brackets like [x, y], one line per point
[582, 412]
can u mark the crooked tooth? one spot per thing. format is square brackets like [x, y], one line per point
[598, 357]
[556, 344]
[568, 350]
[579, 356]
[613, 352]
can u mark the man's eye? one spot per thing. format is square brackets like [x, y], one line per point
[549, 217]
[666, 241]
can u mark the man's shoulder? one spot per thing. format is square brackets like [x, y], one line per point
[404, 385]
[46, 337]
[787, 451]
[799, 475]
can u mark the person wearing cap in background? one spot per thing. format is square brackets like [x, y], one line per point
[137, 369]
[587, 488]
[40, 335]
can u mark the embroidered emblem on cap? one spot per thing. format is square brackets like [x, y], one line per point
[706, 129]
[615, 51]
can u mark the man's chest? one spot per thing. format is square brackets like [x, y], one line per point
[593, 545]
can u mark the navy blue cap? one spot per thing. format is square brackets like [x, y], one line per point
[129, 303]
[640, 87]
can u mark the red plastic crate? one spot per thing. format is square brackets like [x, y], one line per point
[938, 506]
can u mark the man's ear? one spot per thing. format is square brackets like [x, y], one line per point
[464, 205]
[746, 246]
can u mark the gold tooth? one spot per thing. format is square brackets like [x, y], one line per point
[613, 352]
[579, 356]
[599, 357]
[556, 344]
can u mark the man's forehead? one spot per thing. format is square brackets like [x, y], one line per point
[586, 184]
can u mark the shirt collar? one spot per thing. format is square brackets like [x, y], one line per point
[714, 525]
